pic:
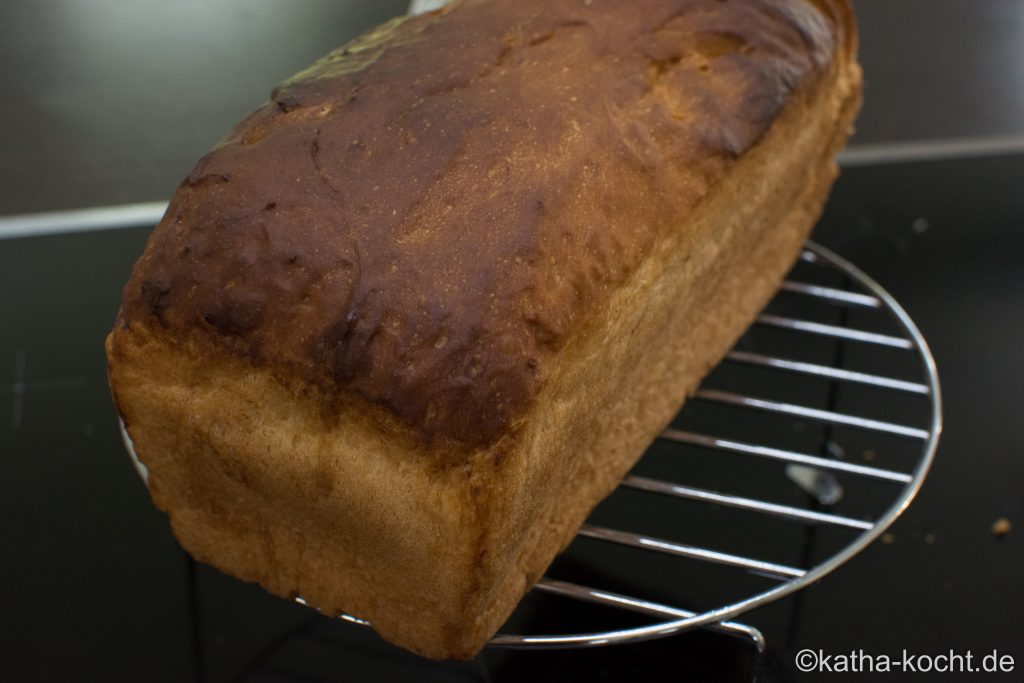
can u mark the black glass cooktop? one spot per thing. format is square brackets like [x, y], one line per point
[95, 588]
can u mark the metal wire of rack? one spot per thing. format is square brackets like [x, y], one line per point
[789, 579]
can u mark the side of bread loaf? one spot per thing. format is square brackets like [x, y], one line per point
[412, 319]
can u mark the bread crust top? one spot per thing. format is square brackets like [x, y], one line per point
[424, 217]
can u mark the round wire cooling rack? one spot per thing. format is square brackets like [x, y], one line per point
[815, 473]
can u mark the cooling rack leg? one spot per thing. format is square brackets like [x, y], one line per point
[748, 633]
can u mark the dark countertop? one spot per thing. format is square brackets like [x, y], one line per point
[96, 589]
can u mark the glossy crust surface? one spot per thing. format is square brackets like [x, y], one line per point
[425, 216]
[414, 317]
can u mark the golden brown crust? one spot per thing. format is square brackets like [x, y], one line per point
[424, 217]
[302, 423]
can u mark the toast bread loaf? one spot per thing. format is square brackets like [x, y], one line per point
[403, 328]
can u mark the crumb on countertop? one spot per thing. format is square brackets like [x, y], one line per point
[1001, 527]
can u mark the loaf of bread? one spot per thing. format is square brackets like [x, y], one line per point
[403, 328]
